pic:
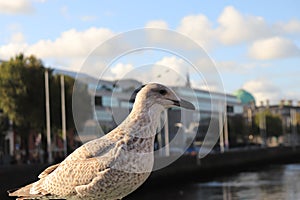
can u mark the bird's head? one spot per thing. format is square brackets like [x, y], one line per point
[157, 94]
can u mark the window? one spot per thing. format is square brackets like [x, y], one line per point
[98, 101]
[110, 101]
[102, 115]
[229, 109]
[106, 101]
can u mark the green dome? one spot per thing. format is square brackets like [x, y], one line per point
[244, 96]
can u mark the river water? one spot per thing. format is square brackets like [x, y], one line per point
[276, 182]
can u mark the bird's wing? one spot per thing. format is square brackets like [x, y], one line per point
[78, 168]
[82, 153]
[83, 190]
[68, 175]
[48, 170]
[94, 148]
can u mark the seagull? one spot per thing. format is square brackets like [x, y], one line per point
[114, 165]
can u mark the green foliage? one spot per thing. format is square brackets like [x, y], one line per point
[55, 101]
[22, 98]
[273, 122]
[20, 92]
[4, 123]
[236, 128]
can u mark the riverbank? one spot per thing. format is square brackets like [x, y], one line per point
[189, 169]
[274, 181]
[186, 169]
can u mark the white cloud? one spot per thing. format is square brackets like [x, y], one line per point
[15, 7]
[235, 28]
[173, 71]
[168, 71]
[290, 27]
[121, 70]
[263, 89]
[198, 28]
[174, 63]
[273, 48]
[71, 43]
[232, 28]
[157, 24]
[11, 49]
[71, 48]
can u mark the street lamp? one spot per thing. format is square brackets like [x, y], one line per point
[49, 148]
[63, 113]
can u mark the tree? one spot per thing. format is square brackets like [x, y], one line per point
[4, 123]
[55, 101]
[21, 91]
[22, 96]
[298, 122]
[236, 129]
[273, 123]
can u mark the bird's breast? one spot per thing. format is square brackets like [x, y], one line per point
[134, 155]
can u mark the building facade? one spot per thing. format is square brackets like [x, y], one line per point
[111, 106]
[270, 125]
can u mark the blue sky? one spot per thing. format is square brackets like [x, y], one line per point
[255, 44]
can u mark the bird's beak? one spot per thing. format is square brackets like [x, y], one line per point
[184, 104]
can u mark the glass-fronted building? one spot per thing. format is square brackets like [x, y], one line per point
[111, 106]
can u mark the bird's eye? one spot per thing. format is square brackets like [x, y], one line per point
[163, 92]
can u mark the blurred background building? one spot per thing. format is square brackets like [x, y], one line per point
[246, 123]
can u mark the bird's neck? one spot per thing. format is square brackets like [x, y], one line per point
[145, 120]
